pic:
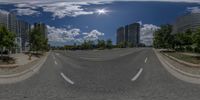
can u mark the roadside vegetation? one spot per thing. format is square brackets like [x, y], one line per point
[38, 43]
[188, 41]
[184, 57]
[7, 43]
[97, 44]
[89, 45]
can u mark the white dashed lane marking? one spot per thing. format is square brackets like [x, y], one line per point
[55, 62]
[137, 75]
[66, 79]
[146, 60]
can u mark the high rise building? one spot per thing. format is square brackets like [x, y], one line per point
[120, 35]
[18, 27]
[23, 29]
[129, 33]
[126, 32]
[4, 18]
[42, 27]
[188, 21]
[134, 34]
[9, 21]
[12, 23]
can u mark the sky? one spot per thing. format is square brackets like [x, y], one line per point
[73, 21]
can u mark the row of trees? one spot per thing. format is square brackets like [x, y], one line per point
[126, 44]
[99, 44]
[88, 45]
[186, 41]
[37, 42]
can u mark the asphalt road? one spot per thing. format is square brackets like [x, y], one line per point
[119, 74]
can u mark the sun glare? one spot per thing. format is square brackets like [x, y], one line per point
[101, 11]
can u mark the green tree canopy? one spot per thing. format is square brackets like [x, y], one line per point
[7, 39]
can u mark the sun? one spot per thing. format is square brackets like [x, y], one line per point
[101, 11]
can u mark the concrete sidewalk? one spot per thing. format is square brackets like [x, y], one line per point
[180, 71]
[22, 63]
[25, 70]
[22, 59]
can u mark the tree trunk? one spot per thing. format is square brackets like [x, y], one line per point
[1, 52]
[30, 55]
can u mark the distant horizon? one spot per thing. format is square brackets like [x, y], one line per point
[73, 22]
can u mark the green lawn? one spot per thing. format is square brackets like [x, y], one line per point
[186, 58]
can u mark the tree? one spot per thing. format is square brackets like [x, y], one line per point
[109, 44]
[7, 39]
[178, 38]
[187, 38]
[130, 45]
[122, 44]
[196, 37]
[87, 44]
[38, 42]
[162, 37]
[101, 44]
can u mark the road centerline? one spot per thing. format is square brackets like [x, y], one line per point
[55, 62]
[137, 75]
[146, 60]
[66, 79]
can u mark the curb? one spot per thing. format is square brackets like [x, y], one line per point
[182, 62]
[9, 66]
[185, 76]
[13, 78]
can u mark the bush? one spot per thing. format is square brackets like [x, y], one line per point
[197, 50]
[179, 49]
[188, 48]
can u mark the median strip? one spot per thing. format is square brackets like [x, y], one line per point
[137, 75]
[67, 79]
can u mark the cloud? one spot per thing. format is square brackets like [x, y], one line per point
[3, 12]
[93, 35]
[194, 9]
[47, 1]
[26, 11]
[64, 35]
[146, 33]
[58, 9]
[63, 8]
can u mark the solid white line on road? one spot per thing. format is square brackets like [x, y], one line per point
[146, 60]
[55, 62]
[67, 79]
[137, 75]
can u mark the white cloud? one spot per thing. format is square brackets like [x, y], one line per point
[64, 35]
[63, 8]
[58, 9]
[194, 9]
[93, 35]
[26, 11]
[47, 1]
[3, 12]
[146, 33]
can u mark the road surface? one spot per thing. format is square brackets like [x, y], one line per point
[118, 74]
